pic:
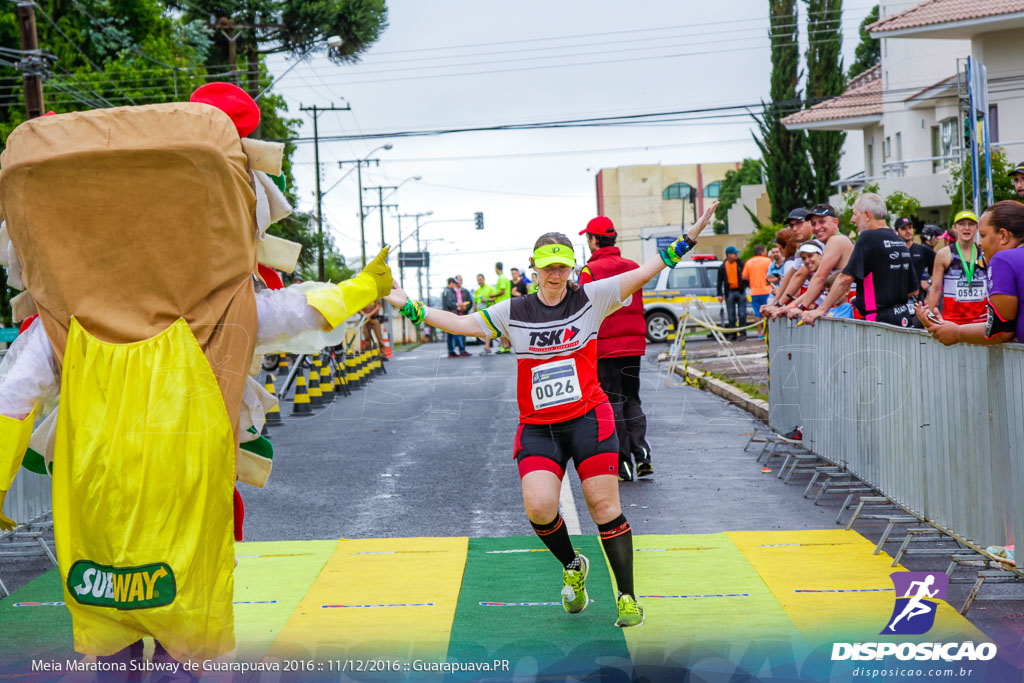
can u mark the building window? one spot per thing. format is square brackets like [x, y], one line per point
[712, 189]
[943, 136]
[886, 148]
[677, 191]
[869, 161]
[993, 123]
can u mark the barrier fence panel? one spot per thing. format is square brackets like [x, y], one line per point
[937, 429]
[29, 497]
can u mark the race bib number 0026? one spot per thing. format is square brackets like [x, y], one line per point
[555, 384]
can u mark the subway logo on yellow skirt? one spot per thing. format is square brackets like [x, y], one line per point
[150, 585]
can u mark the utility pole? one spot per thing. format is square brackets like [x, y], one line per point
[32, 64]
[319, 197]
[380, 205]
[362, 212]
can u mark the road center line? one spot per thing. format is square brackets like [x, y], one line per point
[567, 505]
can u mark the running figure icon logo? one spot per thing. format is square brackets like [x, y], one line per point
[914, 612]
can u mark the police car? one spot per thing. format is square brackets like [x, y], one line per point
[665, 297]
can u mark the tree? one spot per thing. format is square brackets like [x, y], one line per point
[869, 50]
[765, 234]
[245, 30]
[749, 173]
[961, 184]
[107, 54]
[898, 204]
[824, 81]
[123, 52]
[787, 171]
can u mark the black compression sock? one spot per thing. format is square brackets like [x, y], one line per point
[617, 539]
[556, 538]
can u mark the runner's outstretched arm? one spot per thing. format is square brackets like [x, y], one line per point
[632, 280]
[417, 312]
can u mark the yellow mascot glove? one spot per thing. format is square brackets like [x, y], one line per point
[342, 300]
[6, 523]
[380, 272]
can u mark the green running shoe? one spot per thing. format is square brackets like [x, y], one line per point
[574, 591]
[630, 611]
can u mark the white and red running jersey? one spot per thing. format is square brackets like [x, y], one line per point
[556, 349]
[963, 302]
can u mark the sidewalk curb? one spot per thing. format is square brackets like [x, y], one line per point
[754, 406]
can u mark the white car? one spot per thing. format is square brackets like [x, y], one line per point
[666, 295]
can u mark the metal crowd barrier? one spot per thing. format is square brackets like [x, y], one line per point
[29, 496]
[939, 430]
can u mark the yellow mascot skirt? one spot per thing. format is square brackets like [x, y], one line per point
[143, 475]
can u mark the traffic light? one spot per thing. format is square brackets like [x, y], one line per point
[479, 216]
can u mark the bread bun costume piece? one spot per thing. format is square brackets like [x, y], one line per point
[134, 232]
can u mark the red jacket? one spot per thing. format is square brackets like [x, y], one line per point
[624, 332]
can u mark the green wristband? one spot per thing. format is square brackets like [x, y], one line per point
[415, 311]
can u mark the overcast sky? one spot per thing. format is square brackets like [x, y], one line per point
[458, 63]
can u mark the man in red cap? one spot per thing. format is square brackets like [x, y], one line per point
[621, 343]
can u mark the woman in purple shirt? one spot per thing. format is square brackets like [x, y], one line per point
[1001, 231]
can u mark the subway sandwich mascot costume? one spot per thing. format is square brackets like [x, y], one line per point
[137, 235]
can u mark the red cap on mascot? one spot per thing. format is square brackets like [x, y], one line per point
[233, 101]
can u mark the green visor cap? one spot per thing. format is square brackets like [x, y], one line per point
[551, 254]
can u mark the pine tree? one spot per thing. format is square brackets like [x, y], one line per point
[824, 81]
[869, 50]
[787, 170]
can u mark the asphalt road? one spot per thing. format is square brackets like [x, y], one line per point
[426, 450]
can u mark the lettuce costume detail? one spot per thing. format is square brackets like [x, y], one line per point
[136, 233]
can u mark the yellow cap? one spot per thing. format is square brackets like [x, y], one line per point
[551, 254]
[965, 214]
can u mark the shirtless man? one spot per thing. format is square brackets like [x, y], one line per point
[838, 247]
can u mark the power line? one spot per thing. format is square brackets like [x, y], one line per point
[78, 49]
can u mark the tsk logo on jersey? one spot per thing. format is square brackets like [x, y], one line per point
[540, 340]
[150, 585]
[914, 613]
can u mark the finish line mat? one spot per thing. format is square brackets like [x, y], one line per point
[753, 601]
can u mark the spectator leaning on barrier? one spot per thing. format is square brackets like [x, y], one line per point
[810, 253]
[1002, 232]
[756, 273]
[834, 257]
[959, 275]
[621, 343]
[921, 255]
[1017, 176]
[801, 232]
[732, 289]
[880, 265]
